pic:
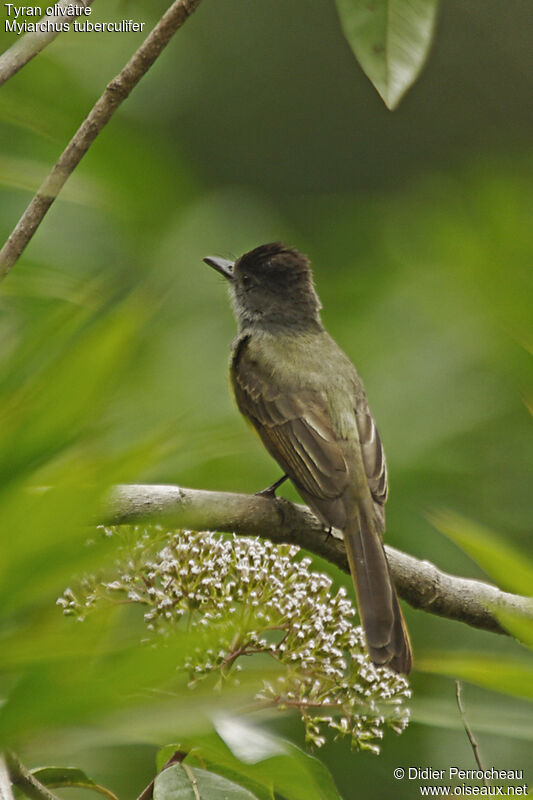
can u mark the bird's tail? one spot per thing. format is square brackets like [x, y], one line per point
[383, 623]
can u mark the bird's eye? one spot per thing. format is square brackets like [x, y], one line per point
[246, 281]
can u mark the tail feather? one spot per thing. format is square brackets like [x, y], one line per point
[383, 623]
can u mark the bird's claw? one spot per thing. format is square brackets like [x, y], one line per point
[270, 491]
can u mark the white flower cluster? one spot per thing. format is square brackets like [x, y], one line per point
[259, 599]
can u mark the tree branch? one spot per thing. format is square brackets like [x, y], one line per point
[6, 791]
[115, 93]
[420, 583]
[28, 783]
[29, 45]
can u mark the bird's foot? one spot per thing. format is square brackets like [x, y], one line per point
[270, 491]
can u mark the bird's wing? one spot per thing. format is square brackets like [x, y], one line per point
[295, 428]
[373, 453]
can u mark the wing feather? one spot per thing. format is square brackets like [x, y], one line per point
[295, 428]
[373, 454]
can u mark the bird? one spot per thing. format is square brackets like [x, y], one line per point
[305, 399]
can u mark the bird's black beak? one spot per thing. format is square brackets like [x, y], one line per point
[221, 265]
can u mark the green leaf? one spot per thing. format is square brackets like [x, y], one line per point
[296, 774]
[199, 757]
[316, 774]
[291, 772]
[519, 625]
[56, 777]
[181, 782]
[505, 675]
[505, 564]
[103, 670]
[390, 39]
[260, 790]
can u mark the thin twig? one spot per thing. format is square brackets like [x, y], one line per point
[26, 782]
[420, 583]
[29, 45]
[114, 95]
[175, 758]
[471, 737]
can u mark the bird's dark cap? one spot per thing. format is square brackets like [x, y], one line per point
[274, 257]
[221, 265]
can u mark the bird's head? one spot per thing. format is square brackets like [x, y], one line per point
[272, 287]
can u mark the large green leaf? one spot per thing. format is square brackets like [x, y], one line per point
[201, 758]
[508, 566]
[390, 39]
[506, 675]
[274, 764]
[181, 782]
[99, 671]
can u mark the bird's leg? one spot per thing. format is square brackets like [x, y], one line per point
[329, 533]
[270, 491]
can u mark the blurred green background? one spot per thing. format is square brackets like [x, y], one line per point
[256, 125]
